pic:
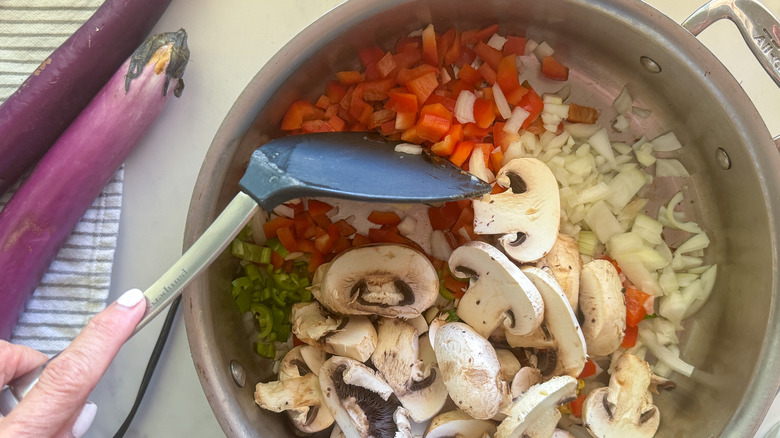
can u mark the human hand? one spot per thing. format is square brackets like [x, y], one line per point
[56, 407]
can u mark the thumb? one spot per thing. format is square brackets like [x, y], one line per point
[68, 379]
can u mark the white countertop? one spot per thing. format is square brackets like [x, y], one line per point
[230, 42]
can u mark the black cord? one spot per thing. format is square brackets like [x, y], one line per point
[150, 367]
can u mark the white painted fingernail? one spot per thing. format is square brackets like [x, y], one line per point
[130, 298]
[87, 415]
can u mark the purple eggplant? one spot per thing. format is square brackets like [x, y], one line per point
[34, 117]
[42, 213]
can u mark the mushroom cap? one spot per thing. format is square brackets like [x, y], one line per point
[561, 324]
[536, 404]
[358, 398]
[383, 279]
[528, 215]
[470, 369]
[458, 423]
[302, 399]
[420, 389]
[300, 361]
[498, 294]
[565, 264]
[524, 379]
[354, 336]
[625, 407]
[603, 307]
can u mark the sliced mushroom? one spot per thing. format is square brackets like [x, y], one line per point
[510, 365]
[458, 423]
[353, 337]
[544, 426]
[528, 214]
[566, 351]
[537, 404]
[301, 397]
[385, 279]
[302, 360]
[625, 407]
[359, 399]
[498, 294]
[603, 308]
[524, 379]
[420, 388]
[565, 263]
[470, 369]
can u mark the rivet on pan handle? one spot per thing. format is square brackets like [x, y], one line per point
[758, 26]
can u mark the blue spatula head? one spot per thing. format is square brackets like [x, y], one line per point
[352, 165]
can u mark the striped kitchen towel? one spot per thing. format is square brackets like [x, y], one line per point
[77, 283]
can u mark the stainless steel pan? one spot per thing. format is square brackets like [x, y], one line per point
[734, 340]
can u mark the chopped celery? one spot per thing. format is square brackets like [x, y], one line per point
[587, 242]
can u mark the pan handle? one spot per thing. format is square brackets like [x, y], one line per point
[758, 26]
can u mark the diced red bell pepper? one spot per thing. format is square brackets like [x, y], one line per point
[407, 74]
[317, 207]
[386, 64]
[360, 240]
[315, 260]
[384, 217]
[361, 111]
[588, 370]
[335, 91]
[434, 122]
[323, 102]
[287, 239]
[423, 86]
[552, 69]
[635, 306]
[630, 336]
[446, 146]
[501, 138]
[349, 77]
[376, 90]
[487, 73]
[506, 74]
[473, 132]
[337, 123]
[444, 217]
[456, 287]
[467, 56]
[469, 74]
[381, 116]
[344, 227]
[316, 126]
[496, 158]
[473, 35]
[488, 54]
[271, 227]
[484, 115]
[448, 102]
[370, 55]
[514, 45]
[576, 405]
[430, 52]
[532, 103]
[514, 96]
[402, 102]
[462, 152]
[449, 46]
[407, 57]
[298, 112]
[276, 260]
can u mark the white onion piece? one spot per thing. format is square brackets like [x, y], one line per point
[409, 148]
[477, 166]
[620, 123]
[501, 103]
[515, 120]
[625, 185]
[664, 354]
[648, 228]
[666, 142]
[407, 226]
[440, 248]
[581, 130]
[668, 281]
[594, 193]
[284, 211]
[707, 284]
[514, 150]
[542, 50]
[496, 41]
[530, 46]
[623, 101]
[645, 157]
[602, 222]
[670, 167]
[621, 148]
[641, 112]
[464, 107]
[552, 98]
[672, 221]
[600, 142]
[695, 243]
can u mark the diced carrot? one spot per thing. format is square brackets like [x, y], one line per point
[287, 239]
[462, 152]
[349, 77]
[423, 86]
[384, 217]
[552, 69]
[317, 207]
[386, 64]
[514, 45]
[298, 112]
[430, 53]
[506, 74]
[488, 54]
[483, 113]
[270, 228]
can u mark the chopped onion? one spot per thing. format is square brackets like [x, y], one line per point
[594, 193]
[496, 41]
[600, 142]
[621, 148]
[409, 148]
[515, 121]
[697, 242]
[587, 242]
[602, 222]
[501, 103]
[623, 102]
[514, 150]
[707, 284]
[625, 185]
[641, 112]
[407, 226]
[672, 221]
[581, 130]
[670, 167]
[648, 228]
[645, 157]
[440, 248]
[668, 281]
[543, 49]
[464, 107]
[663, 353]
[666, 142]
[477, 166]
[551, 98]
[639, 275]
[621, 123]
[530, 46]
[284, 211]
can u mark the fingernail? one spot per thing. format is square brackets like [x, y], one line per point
[84, 420]
[130, 298]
